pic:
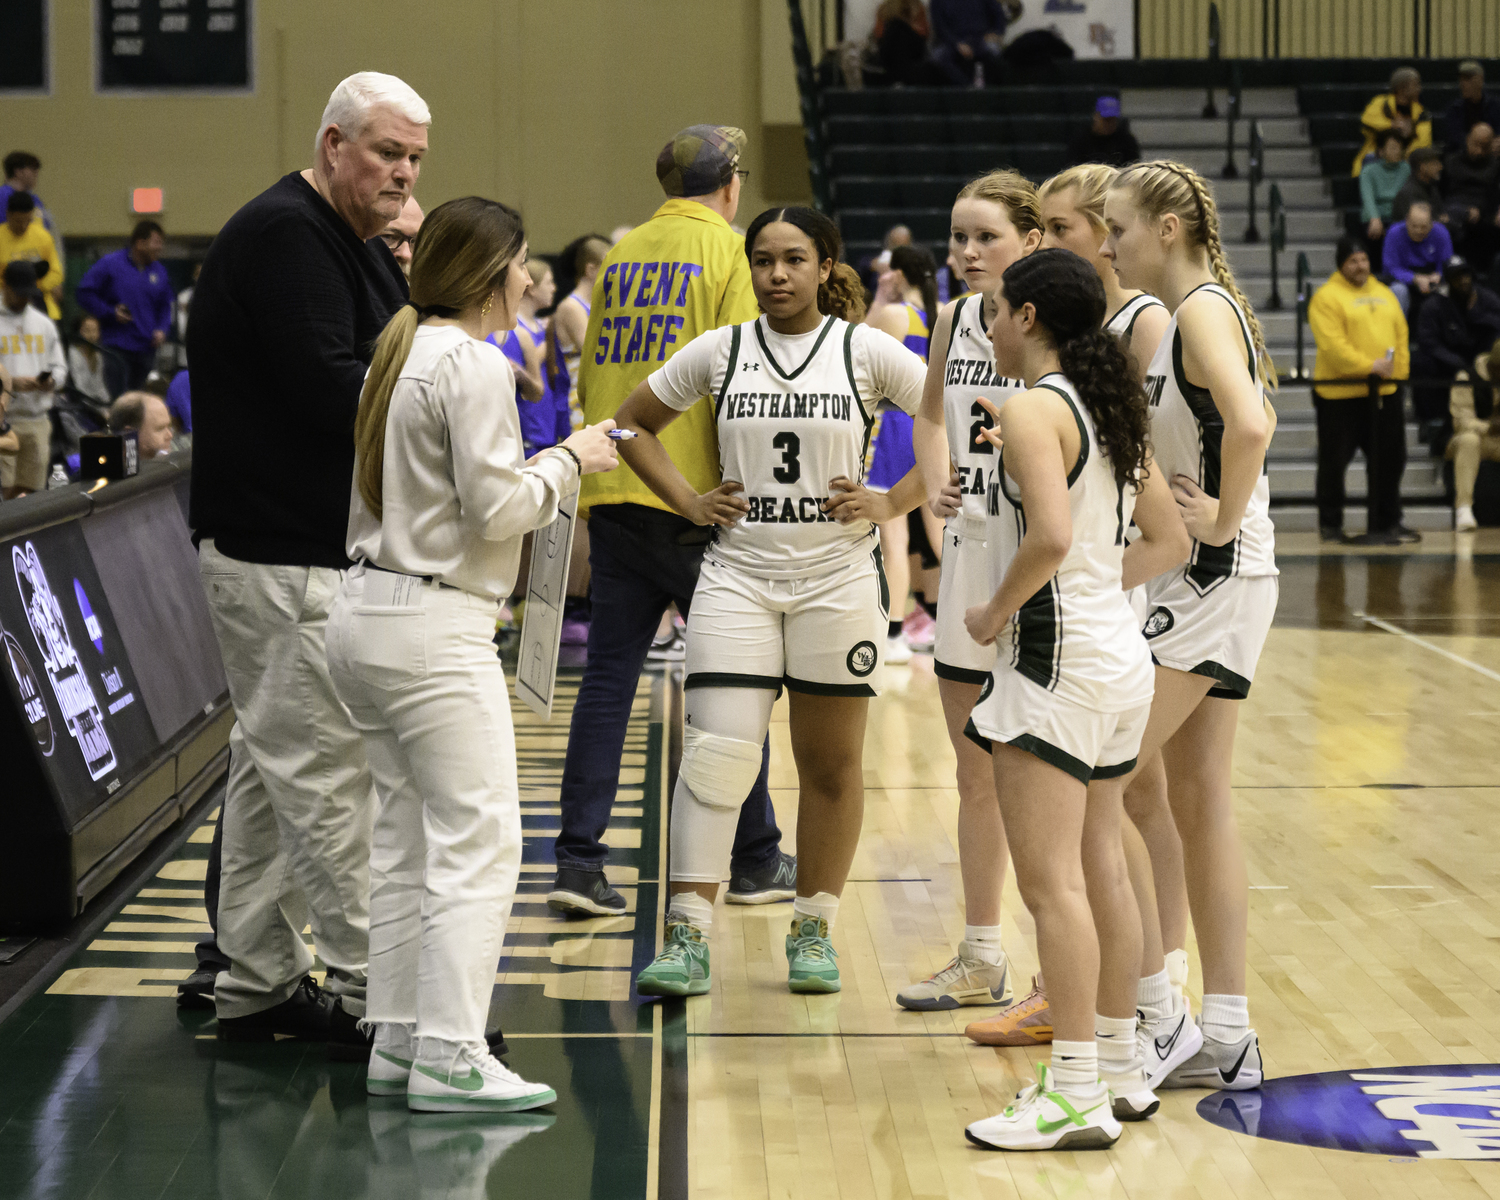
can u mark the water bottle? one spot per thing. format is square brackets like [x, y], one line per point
[58, 478]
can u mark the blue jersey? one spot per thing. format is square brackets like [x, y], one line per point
[539, 418]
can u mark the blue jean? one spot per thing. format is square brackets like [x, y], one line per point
[642, 559]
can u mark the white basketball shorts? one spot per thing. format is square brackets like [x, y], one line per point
[1219, 634]
[963, 582]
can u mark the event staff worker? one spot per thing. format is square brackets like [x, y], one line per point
[293, 294]
[130, 293]
[442, 499]
[682, 273]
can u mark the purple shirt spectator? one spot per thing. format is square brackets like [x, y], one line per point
[1402, 258]
[180, 400]
[146, 291]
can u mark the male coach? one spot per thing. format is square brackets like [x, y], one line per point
[293, 294]
[682, 273]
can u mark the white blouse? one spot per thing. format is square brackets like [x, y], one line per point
[456, 495]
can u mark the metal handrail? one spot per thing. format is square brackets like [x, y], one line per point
[1304, 277]
[1210, 110]
[1236, 101]
[1257, 173]
[1276, 209]
[810, 102]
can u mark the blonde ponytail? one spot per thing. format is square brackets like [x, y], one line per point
[1163, 187]
[1092, 182]
[375, 405]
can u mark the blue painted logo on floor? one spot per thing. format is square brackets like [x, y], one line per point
[1416, 1112]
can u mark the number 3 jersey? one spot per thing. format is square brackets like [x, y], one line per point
[968, 374]
[793, 412]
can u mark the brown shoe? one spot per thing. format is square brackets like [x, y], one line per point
[1028, 1023]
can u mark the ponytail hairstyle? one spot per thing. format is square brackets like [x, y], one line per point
[1068, 297]
[573, 264]
[1091, 181]
[1163, 187]
[1013, 192]
[919, 268]
[464, 251]
[842, 295]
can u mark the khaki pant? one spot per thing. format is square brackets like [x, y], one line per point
[299, 806]
[27, 467]
[1466, 450]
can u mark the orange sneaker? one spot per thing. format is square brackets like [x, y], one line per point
[1028, 1023]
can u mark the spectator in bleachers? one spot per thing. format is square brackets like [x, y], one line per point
[1472, 187]
[1474, 437]
[1414, 253]
[873, 266]
[1397, 109]
[21, 171]
[1379, 183]
[1451, 330]
[1425, 185]
[130, 293]
[148, 415]
[180, 401]
[401, 234]
[25, 239]
[32, 352]
[1360, 332]
[86, 362]
[1473, 106]
[968, 34]
[901, 32]
[1107, 139]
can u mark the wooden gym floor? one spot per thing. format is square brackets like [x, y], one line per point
[1366, 786]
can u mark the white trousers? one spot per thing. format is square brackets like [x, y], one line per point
[426, 689]
[298, 807]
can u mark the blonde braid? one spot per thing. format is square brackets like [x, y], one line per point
[1163, 187]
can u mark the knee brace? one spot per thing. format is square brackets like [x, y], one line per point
[719, 771]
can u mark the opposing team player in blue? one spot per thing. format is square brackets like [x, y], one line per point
[792, 594]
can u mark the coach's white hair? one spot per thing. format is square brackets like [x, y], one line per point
[350, 105]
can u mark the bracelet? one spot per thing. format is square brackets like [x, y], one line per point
[571, 453]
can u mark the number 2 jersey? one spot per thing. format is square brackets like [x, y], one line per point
[793, 412]
[1186, 435]
[1077, 636]
[968, 374]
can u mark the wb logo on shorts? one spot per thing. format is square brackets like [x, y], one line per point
[1158, 623]
[861, 660]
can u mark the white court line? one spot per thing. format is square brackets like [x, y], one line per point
[1426, 645]
[1402, 887]
[1268, 887]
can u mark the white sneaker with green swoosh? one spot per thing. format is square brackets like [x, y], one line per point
[390, 1060]
[459, 1077]
[1042, 1119]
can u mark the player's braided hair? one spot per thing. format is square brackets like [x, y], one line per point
[842, 294]
[1163, 187]
[1069, 300]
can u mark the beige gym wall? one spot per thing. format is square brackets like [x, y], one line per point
[556, 106]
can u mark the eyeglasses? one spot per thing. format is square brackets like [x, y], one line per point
[744, 175]
[395, 239]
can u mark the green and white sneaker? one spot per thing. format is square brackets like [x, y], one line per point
[466, 1077]
[809, 956]
[390, 1060]
[681, 969]
[964, 981]
[1042, 1119]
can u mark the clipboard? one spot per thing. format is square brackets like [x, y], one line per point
[546, 593]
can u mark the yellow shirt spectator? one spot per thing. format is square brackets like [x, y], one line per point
[34, 244]
[682, 273]
[1381, 113]
[1354, 327]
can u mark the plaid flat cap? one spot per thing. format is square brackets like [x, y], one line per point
[699, 160]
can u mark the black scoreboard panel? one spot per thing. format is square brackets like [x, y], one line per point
[23, 46]
[171, 45]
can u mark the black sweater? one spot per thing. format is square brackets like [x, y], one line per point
[285, 317]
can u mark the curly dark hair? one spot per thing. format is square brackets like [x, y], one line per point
[843, 295]
[1069, 302]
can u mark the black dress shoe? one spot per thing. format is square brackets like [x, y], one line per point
[578, 893]
[1383, 537]
[197, 990]
[1406, 535]
[495, 1039]
[1330, 533]
[309, 1014]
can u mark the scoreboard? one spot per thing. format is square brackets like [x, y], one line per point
[173, 45]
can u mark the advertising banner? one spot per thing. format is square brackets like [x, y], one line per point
[1094, 28]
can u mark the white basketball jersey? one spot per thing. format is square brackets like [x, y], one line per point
[1078, 636]
[785, 430]
[1186, 433]
[968, 374]
[1122, 324]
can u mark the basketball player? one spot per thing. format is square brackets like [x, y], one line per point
[440, 504]
[792, 592]
[905, 305]
[570, 321]
[995, 222]
[1070, 692]
[525, 345]
[1073, 218]
[1210, 427]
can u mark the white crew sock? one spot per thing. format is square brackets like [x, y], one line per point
[1177, 969]
[1118, 1051]
[1075, 1068]
[824, 905]
[984, 943]
[1226, 1018]
[1155, 993]
[692, 908]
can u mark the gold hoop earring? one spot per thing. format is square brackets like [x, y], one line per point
[489, 303]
